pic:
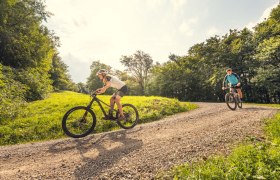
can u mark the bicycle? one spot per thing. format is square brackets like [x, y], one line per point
[80, 121]
[232, 98]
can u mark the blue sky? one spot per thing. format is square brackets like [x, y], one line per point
[104, 30]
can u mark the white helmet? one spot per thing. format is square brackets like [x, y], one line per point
[102, 71]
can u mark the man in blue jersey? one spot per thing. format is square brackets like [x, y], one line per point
[234, 80]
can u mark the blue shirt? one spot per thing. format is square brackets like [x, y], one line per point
[232, 79]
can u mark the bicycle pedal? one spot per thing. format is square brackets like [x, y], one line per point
[108, 118]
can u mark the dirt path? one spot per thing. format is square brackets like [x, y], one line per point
[138, 153]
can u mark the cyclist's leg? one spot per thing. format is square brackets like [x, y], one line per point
[231, 90]
[239, 92]
[112, 102]
[119, 95]
[118, 102]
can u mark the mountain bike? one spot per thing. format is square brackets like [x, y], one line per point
[81, 120]
[232, 98]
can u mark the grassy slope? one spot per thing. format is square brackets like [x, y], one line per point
[250, 160]
[41, 120]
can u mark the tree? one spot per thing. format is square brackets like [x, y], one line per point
[267, 54]
[82, 88]
[59, 75]
[139, 65]
[29, 48]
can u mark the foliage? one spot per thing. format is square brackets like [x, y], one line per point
[252, 160]
[59, 75]
[139, 65]
[29, 49]
[11, 94]
[41, 120]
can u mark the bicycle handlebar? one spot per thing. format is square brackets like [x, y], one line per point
[94, 93]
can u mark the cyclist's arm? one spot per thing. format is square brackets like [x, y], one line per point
[224, 81]
[238, 78]
[107, 85]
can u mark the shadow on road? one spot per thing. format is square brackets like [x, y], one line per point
[257, 108]
[96, 158]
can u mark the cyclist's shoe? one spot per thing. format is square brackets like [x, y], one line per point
[122, 118]
[108, 118]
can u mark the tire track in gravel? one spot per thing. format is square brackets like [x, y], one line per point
[138, 153]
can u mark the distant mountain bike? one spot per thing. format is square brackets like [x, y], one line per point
[81, 120]
[232, 98]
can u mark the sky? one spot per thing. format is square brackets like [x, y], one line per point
[106, 30]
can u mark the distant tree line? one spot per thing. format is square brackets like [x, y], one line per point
[197, 76]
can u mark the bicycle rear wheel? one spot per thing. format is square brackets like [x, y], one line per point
[239, 102]
[231, 101]
[78, 122]
[131, 116]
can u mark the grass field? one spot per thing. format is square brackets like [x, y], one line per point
[41, 120]
[250, 160]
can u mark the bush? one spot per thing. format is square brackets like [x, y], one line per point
[11, 94]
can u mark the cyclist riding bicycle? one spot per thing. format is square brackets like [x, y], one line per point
[112, 81]
[234, 80]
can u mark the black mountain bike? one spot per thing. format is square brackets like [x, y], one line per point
[81, 120]
[232, 98]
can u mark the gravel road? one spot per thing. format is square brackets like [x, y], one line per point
[138, 153]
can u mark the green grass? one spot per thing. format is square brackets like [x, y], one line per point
[249, 160]
[41, 120]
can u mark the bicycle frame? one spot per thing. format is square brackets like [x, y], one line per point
[99, 102]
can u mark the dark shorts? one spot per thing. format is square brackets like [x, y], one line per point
[236, 87]
[121, 92]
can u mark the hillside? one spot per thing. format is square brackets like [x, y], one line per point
[41, 120]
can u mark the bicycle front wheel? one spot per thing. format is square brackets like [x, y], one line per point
[230, 101]
[239, 102]
[78, 122]
[131, 116]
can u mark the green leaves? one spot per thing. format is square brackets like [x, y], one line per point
[139, 65]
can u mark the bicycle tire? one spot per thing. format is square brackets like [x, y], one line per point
[230, 100]
[129, 122]
[239, 102]
[67, 120]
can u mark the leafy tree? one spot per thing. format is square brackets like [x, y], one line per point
[139, 65]
[59, 75]
[82, 88]
[267, 36]
[29, 48]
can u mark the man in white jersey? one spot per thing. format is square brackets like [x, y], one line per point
[112, 81]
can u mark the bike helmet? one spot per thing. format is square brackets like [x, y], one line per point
[228, 69]
[102, 71]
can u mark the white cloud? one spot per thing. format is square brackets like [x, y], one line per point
[177, 4]
[212, 31]
[264, 16]
[153, 3]
[186, 27]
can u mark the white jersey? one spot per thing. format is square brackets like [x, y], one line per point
[115, 82]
